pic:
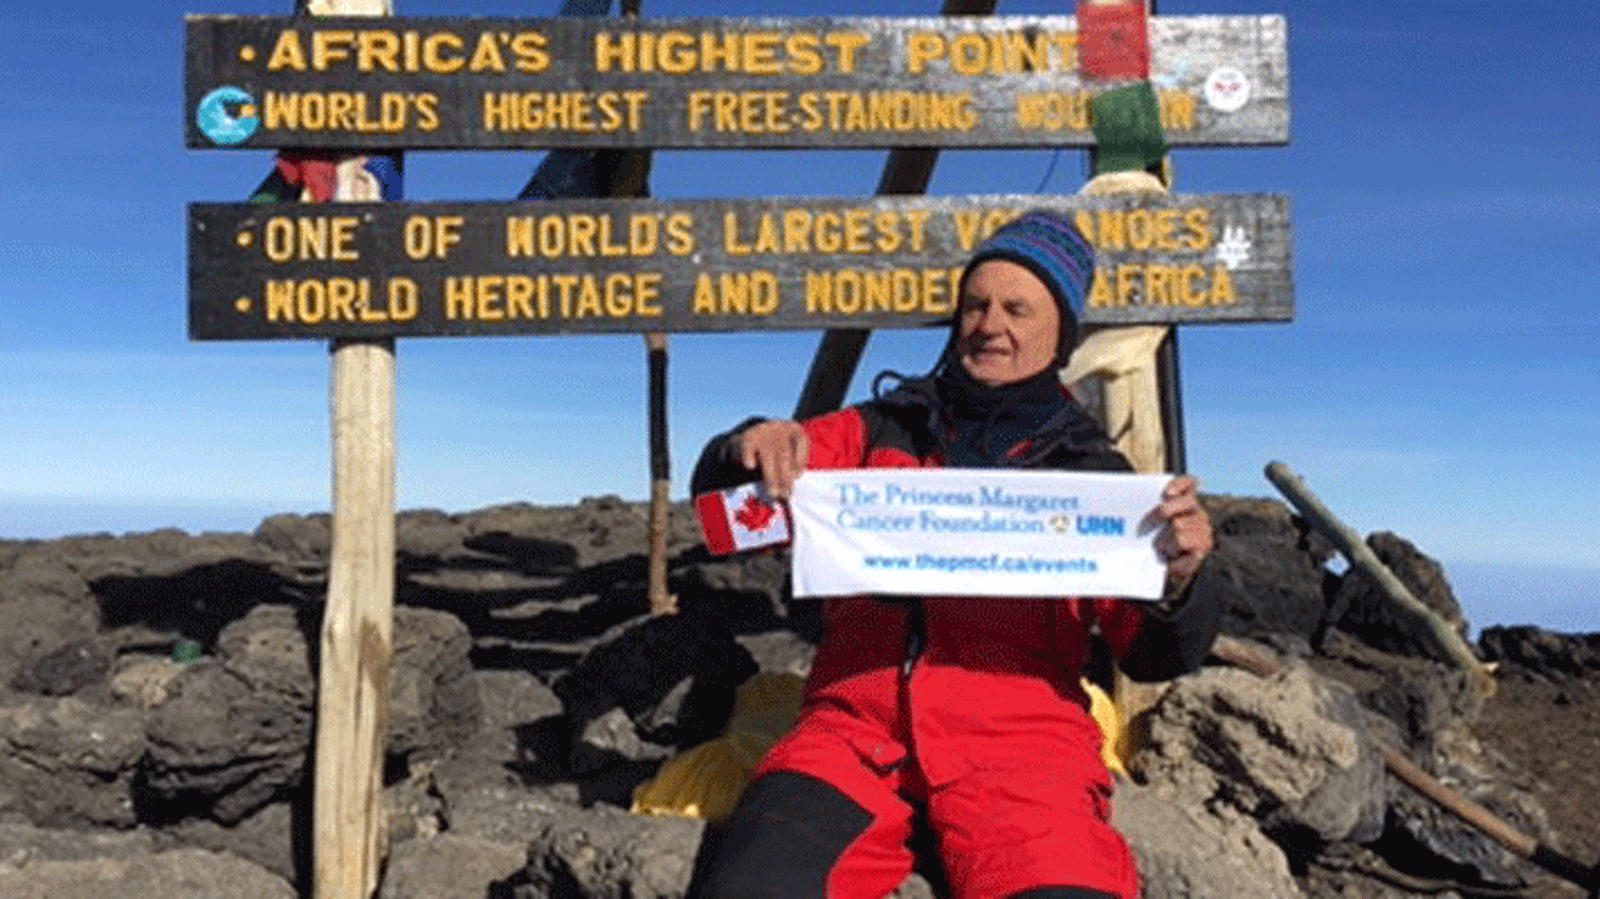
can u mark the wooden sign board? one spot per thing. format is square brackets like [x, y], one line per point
[588, 266]
[486, 83]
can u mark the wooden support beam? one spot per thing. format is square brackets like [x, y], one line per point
[907, 171]
[350, 832]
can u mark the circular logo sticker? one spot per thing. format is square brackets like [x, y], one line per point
[221, 126]
[1227, 90]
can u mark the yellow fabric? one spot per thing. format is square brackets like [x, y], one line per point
[1114, 743]
[705, 782]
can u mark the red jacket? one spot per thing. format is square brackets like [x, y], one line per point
[1006, 666]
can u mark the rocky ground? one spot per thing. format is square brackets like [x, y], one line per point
[157, 709]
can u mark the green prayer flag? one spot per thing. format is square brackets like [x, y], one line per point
[1127, 129]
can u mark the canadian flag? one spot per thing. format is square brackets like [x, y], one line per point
[741, 518]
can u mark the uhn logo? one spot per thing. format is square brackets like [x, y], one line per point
[1101, 526]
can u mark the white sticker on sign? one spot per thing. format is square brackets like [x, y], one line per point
[976, 532]
[1227, 90]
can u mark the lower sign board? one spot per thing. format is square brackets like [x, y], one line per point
[596, 266]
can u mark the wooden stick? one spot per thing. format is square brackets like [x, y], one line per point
[1242, 655]
[661, 602]
[1361, 556]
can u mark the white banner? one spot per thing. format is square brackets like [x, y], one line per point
[976, 532]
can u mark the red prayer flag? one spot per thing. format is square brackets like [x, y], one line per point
[1114, 40]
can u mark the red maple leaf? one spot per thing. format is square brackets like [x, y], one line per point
[754, 514]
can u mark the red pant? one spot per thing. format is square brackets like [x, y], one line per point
[1001, 828]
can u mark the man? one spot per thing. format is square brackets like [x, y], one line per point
[963, 714]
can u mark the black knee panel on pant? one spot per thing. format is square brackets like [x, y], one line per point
[781, 841]
[1061, 893]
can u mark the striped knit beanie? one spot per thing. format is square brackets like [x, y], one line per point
[1049, 245]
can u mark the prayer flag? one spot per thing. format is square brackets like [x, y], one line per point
[1113, 40]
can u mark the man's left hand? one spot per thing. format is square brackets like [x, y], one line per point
[1186, 540]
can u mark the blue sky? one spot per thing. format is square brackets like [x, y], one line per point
[1440, 379]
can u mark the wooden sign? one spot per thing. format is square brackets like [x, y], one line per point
[486, 83]
[587, 266]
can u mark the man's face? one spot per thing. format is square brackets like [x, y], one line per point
[1009, 324]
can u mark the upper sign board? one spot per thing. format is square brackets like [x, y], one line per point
[589, 266]
[774, 83]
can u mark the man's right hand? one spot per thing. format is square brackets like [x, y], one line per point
[777, 449]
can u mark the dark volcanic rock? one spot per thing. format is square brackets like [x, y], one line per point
[45, 603]
[235, 732]
[1361, 608]
[1536, 652]
[605, 853]
[673, 676]
[65, 670]
[67, 763]
[1272, 566]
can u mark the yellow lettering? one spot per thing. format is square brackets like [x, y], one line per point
[730, 239]
[1222, 287]
[680, 234]
[489, 298]
[328, 47]
[1166, 229]
[342, 294]
[1198, 223]
[588, 298]
[457, 298]
[1113, 235]
[434, 57]
[287, 53]
[1177, 111]
[705, 299]
[280, 301]
[402, 299]
[344, 227]
[618, 301]
[1158, 285]
[519, 236]
[377, 48]
[311, 302]
[922, 47]
[646, 288]
[486, 57]
[529, 49]
[1100, 291]
[846, 44]
[1141, 229]
[580, 231]
[519, 296]
[802, 52]
[612, 50]
[1127, 282]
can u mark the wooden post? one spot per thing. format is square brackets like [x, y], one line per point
[349, 828]
[661, 602]
[1361, 556]
[906, 171]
